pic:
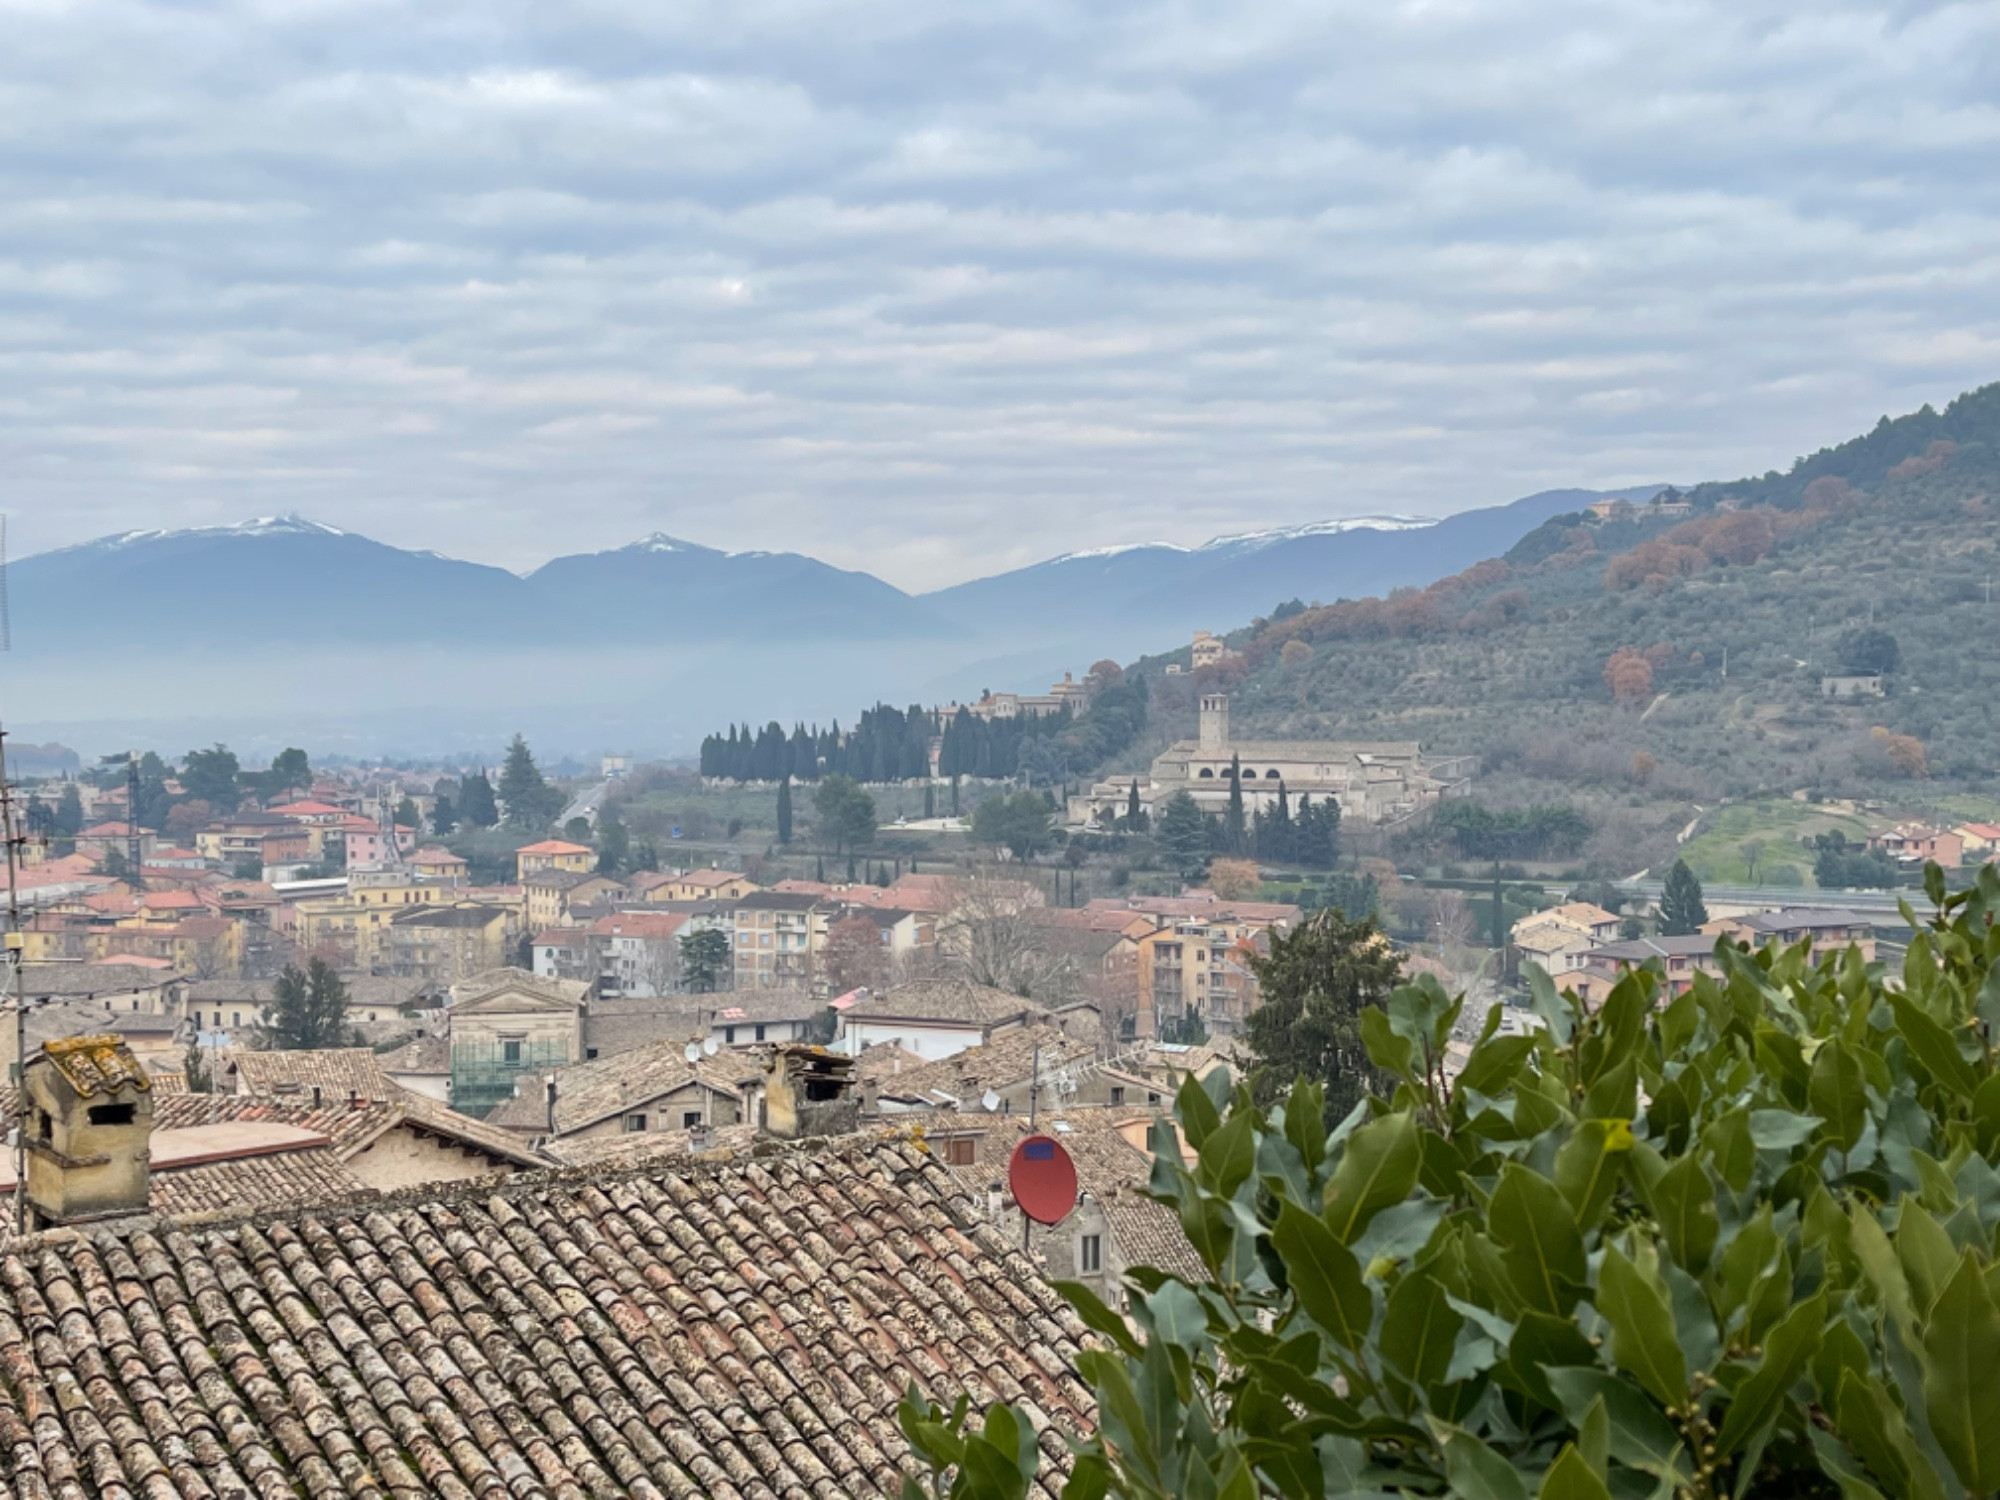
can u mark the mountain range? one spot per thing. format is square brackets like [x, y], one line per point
[289, 581]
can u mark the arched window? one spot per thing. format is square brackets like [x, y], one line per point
[1272, 775]
[1230, 774]
[1207, 774]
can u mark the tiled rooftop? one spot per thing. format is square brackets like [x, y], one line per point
[740, 1330]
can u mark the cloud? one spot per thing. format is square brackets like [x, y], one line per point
[932, 292]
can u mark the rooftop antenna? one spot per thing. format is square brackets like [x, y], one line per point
[16, 940]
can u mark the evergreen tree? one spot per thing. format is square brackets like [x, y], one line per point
[846, 814]
[210, 776]
[1185, 834]
[1135, 815]
[785, 810]
[476, 804]
[1233, 825]
[614, 842]
[194, 1064]
[290, 771]
[705, 959]
[444, 816]
[308, 1010]
[407, 814]
[954, 796]
[69, 813]
[819, 869]
[1316, 983]
[532, 804]
[1681, 910]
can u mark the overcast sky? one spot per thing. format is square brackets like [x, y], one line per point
[934, 290]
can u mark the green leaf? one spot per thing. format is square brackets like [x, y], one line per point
[1760, 1398]
[1872, 1423]
[1476, 1472]
[1178, 1316]
[1570, 1478]
[1377, 1168]
[1390, 1052]
[1324, 1276]
[1098, 1317]
[1494, 1064]
[1934, 1047]
[1593, 1438]
[1196, 1111]
[1683, 1202]
[1961, 1357]
[1926, 1254]
[1780, 1129]
[1634, 1303]
[1641, 1436]
[1560, 1013]
[1615, 1096]
[1229, 1155]
[1589, 1165]
[1541, 1345]
[1419, 1327]
[1727, 1138]
[1541, 1245]
[1838, 1094]
[1089, 1480]
[1305, 1123]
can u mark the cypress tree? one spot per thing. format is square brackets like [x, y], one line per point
[1233, 824]
[785, 810]
[1681, 908]
[1133, 812]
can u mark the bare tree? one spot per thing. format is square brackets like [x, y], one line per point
[994, 936]
[658, 968]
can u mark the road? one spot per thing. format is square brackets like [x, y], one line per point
[585, 803]
[1872, 903]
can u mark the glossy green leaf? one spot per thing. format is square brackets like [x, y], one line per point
[1419, 1328]
[1759, 1399]
[1589, 1166]
[1641, 1435]
[1961, 1359]
[1683, 1200]
[1571, 1478]
[1541, 1245]
[1643, 1341]
[1377, 1168]
[1324, 1275]
[1392, 1053]
[1838, 1094]
[1476, 1472]
[1934, 1047]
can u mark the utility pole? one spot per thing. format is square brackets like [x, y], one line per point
[16, 949]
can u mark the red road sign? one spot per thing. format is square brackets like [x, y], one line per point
[1043, 1179]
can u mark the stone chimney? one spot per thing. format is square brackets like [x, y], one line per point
[90, 1127]
[809, 1091]
[1215, 724]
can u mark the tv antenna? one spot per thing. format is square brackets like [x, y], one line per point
[16, 940]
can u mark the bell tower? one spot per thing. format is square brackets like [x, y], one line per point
[1214, 723]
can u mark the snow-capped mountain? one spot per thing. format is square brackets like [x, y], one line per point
[1156, 591]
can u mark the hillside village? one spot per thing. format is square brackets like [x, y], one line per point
[647, 1128]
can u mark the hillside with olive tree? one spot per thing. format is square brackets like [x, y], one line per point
[1656, 661]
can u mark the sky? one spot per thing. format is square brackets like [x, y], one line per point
[935, 290]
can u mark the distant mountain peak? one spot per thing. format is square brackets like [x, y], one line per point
[1319, 528]
[290, 525]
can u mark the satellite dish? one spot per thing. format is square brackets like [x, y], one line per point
[1043, 1179]
[692, 1052]
[710, 1046]
[991, 1100]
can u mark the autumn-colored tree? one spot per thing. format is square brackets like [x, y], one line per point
[184, 819]
[854, 955]
[1935, 457]
[1629, 676]
[1295, 652]
[1643, 767]
[1233, 879]
[1106, 673]
[1905, 752]
[1829, 493]
[1659, 657]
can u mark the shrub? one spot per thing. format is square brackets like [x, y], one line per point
[1740, 1243]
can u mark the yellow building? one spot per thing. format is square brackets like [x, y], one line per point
[552, 854]
[351, 931]
[699, 885]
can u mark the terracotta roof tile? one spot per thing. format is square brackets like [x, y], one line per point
[741, 1330]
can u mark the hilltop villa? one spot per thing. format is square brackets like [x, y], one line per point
[1374, 781]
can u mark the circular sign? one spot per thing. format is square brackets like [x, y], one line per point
[1043, 1179]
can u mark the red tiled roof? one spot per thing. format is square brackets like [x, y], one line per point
[552, 846]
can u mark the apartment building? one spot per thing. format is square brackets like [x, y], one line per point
[774, 938]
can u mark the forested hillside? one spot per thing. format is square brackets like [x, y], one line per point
[1656, 662]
